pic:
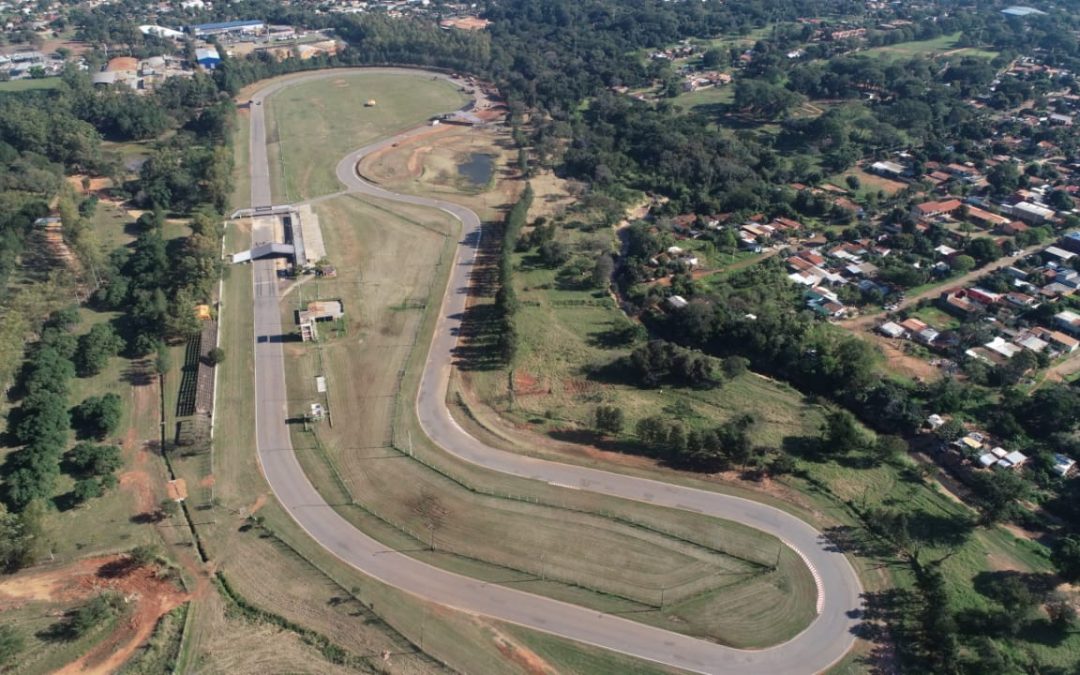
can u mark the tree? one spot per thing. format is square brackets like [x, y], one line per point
[144, 554]
[554, 253]
[89, 459]
[1004, 177]
[86, 489]
[889, 448]
[1066, 558]
[98, 416]
[996, 494]
[962, 264]
[11, 645]
[602, 270]
[734, 366]
[609, 419]
[215, 356]
[1060, 200]
[93, 613]
[840, 434]
[95, 349]
[713, 57]
[21, 537]
[1060, 609]
[163, 360]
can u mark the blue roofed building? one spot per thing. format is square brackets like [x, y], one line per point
[1071, 241]
[207, 57]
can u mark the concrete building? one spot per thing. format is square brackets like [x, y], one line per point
[317, 311]
[235, 28]
[1032, 214]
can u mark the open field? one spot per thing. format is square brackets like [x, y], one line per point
[706, 98]
[313, 124]
[943, 45]
[868, 183]
[563, 333]
[705, 591]
[465, 643]
[428, 164]
[12, 86]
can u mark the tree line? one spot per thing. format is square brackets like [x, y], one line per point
[506, 303]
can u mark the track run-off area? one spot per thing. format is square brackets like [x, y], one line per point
[824, 642]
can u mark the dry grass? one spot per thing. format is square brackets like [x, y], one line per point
[427, 164]
[313, 124]
[389, 258]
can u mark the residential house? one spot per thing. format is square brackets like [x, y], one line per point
[936, 208]
[888, 169]
[1032, 214]
[1063, 466]
[891, 329]
[1068, 321]
[1061, 341]
[985, 218]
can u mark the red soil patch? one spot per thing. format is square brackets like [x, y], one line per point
[260, 502]
[522, 656]
[527, 385]
[176, 489]
[152, 597]
[208, 481]
[138, 483]
[148, 596]
[96, 184]
[577, 386]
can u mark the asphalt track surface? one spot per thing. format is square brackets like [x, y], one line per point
[824, 642]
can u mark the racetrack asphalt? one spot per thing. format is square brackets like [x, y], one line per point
[825, 641]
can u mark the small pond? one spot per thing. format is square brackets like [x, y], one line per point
[478, 168]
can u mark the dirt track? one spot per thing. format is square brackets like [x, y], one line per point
[148, 597]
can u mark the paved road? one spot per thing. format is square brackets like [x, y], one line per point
[825, 641]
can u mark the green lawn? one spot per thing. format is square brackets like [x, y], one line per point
[937, 318]
[314, 124]
[706, 98]
[14, 86]
[929, 48]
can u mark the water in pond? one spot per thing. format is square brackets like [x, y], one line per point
[478, 168]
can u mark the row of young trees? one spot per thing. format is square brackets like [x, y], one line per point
[505, 298]
[42, 423]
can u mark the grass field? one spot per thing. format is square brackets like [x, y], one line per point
[488, 536]
[44, 654]
[706, 98]
[937, 318]
[314, 124]
[14, 86]
[428, 164]
[215, 642]
[939, 46]
[562, 335]
[868, 183]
